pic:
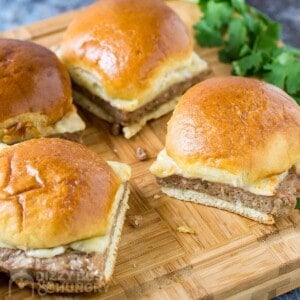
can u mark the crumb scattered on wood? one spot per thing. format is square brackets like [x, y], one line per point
[55, 48]
[115, 129]
[135, 221]
[115, 150]
[141, 153]
[156, 196]
[185, 229]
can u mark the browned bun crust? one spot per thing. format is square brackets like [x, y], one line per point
[53, 192]
[126, 43]
[32, 80]
[241, 125]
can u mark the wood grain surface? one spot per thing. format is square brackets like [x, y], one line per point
[227, 257]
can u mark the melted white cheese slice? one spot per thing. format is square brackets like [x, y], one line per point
[122, 170]
[41, 253]
[97, 244]
[71, 122]
[3, 146]
[165, 166]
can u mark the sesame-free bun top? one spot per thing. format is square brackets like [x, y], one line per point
[53, 192]
[126, 43]
[241, 126]
[32, 81]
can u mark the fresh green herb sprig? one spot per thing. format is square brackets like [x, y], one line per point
[250, 41]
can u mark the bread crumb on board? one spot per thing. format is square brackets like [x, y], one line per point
[135, 220]
[115, 129]
[186, 229]
[141, 154]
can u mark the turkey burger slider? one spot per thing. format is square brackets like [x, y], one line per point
[62, 210]
[35, 94]
[130, 60]
[233, 143]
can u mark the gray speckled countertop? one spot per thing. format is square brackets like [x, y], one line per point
[14, 13]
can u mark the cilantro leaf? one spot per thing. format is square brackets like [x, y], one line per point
[276, 74]
[267, 38]
[293, 79]
[298, 204]
[218, 14]
[294, 51]
[248, 65]
[239, 5]
[236, 36]
[207, 36]
[284, 72]
[208, 30]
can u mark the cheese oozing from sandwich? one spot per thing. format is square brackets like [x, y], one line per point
[71, 122]
[96, 244]
[165, 166]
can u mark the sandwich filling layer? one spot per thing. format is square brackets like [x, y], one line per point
[177, 72]
[165, 166]
[126, 118]
[280, 204]
[205, 199]
[128, 130]
[133, 122]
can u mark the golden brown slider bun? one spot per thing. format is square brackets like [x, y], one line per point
[240, 125]
[53, 192]
[35, 90]
[126, 43]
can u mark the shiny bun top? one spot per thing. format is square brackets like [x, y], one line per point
[32, 80]
[53, 192]
[126, 43]
[240, 125]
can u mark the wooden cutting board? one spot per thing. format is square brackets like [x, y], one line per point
[228, 256]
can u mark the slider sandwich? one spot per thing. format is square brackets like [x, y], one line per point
[62, 210]
[35, 94]
[233, 143]
[130, 60]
